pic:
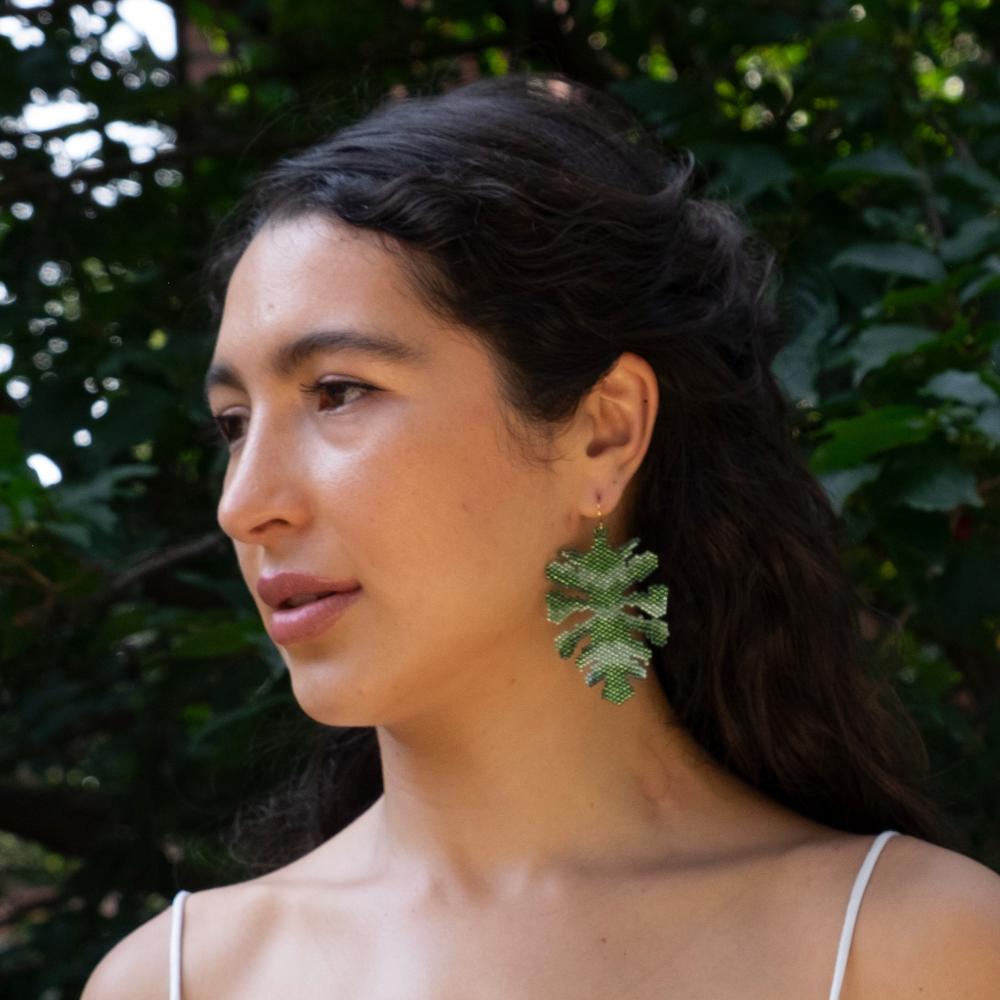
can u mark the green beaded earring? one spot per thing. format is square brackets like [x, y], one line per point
[604, 573]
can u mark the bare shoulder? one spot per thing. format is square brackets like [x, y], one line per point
[137, 967]
[216, 923]
[929, 927]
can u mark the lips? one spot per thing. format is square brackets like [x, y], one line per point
[277, 589]
[311, 620]
[297, 602]
[328, 599]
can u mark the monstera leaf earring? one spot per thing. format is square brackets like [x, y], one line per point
[604, 573]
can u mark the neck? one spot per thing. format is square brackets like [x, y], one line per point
[549, 781]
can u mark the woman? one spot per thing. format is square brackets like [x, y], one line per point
[485, 362]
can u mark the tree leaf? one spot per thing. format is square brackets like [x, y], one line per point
[885, 161]
[841, 484]
[987, 281]
[214, 639]
[796, 365]
[943, 489]
[973, 238]
[973, 175]
[214, 723]
[810, 305]
[988, 423]
[892, 258]
[745, 170]
[965, 387]
[876, 345]
[856, 438]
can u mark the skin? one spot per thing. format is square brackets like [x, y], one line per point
[534, 840]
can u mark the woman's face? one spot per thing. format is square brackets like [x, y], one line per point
[412, 489]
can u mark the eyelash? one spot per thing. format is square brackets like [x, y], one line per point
[218, 423]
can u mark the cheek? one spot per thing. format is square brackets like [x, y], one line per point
[454, 544]
[449, 543]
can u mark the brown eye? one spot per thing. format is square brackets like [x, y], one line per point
[227, 427]
[334, 388]
[224, 427]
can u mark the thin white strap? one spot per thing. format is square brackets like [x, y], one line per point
[853, 905]
[176, 925]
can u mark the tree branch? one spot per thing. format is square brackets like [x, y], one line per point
[164, 559]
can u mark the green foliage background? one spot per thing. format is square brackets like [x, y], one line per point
[140, 697]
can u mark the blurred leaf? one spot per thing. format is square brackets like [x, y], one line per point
[745, 170]
[213, 639]
[237, 716]
[943, 488]
[857, 438]
[876, 345]
[988, 423]
[795, 366]
[79, 534]
[104, 485]
[841, 484]
[988, 281]
[973, 175]
[973, 238]
[886, 161]
[892, 258]
[810, 307]
[965, 387]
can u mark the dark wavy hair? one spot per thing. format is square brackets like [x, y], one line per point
[541, 215]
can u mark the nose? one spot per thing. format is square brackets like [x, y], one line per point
[264, 491]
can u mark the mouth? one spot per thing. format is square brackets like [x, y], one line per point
[300, 599]
[290, 589]
[308, 616]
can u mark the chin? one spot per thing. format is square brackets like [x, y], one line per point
[329, 696]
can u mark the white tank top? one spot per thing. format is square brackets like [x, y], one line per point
[843, 949]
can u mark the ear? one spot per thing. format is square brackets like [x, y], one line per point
[619, 414]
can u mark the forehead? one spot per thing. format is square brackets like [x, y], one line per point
[310, 286]
[308, 270]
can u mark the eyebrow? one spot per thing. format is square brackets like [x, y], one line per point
[286, 358]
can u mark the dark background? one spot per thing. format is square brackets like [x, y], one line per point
[140, 700]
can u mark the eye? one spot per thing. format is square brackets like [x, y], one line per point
[227, 426]
[334, 387]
